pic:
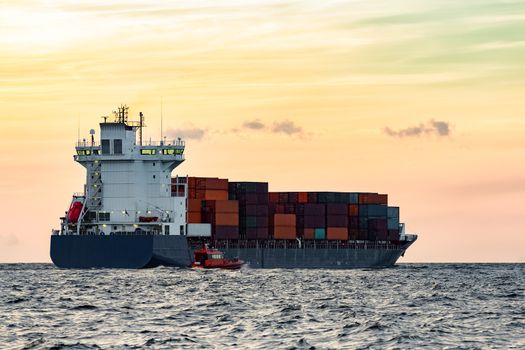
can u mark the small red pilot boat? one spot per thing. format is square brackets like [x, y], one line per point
[209, 258]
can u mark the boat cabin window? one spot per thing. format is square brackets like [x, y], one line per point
[148, 152]
[105, 146]
[117, 146]
[103, 216]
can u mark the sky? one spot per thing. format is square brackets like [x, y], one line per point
[423, 100]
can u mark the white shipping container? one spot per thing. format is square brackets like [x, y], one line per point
[199, 230]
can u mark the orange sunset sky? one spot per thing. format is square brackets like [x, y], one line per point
[423, 100]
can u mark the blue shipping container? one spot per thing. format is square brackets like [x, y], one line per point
[320, 233]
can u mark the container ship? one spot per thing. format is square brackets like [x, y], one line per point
[134, 214]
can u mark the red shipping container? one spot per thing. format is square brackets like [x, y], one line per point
[308, 233]
[337, 233]
[223, 206]
[274, 197]
[191, 182]
[227, 219]
[284, 232]
[215, 195]
[284, 220]
[194, 217]
[194, 205]
[353, 210]
[302, 197]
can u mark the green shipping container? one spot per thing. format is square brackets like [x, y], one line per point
[320, 233]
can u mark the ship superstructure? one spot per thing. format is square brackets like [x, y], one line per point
[128, 182]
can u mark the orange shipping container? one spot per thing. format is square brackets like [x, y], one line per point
[337, 233]
[194, 205]
[309, 233]
[353, 210]
[226, 219]
[194, 217]
[303, 197]
[284, 232]
[284, 220]
[222, 206]
[214, 195]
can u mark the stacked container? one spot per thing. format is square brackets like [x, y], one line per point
[223, 215]
[393, 223]
[283, 226]
[337, 221]
[253, 208]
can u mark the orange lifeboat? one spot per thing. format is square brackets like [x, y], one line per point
[74, 212]
[209, 258]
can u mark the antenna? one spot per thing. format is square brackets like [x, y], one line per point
[161, 117]
[141, 125]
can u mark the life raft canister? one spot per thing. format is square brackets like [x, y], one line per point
[74, 212]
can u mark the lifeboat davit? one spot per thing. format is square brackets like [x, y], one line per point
[209, 258]
[74, 212]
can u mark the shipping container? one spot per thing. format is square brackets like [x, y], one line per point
[194, 205]
[248, 221]
[393, 212]
[194, 217]
[226, 219]
[337, 233]
[212, 194]
[308, 233]
[311, 209]
[319, 233]
[226, 232]
[353, 222]
[393, 223]
[337, 221]
[353, 234]
[336, 209]
[198, 230]
[263, 233]
[302, 197]
[312, 197]
[284, 232]
[314, 221]
[284, 220]
[353, 210]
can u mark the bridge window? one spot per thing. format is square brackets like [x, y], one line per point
[102, 216]
[148, 152]
[172, 151]
[105, 146]
[117, 146]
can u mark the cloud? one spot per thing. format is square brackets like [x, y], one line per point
[287, 127]
[192, 133]
[432, 127]
[9, 240]
[254, 125]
